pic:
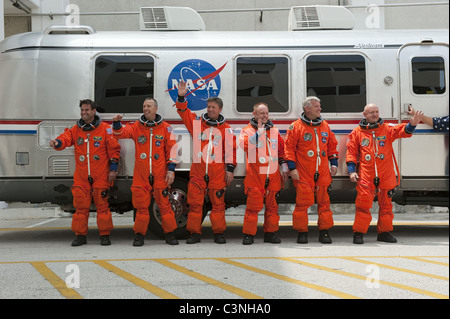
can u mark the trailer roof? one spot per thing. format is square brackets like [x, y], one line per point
[220, 39]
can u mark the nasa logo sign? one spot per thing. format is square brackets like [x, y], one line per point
[202, 80]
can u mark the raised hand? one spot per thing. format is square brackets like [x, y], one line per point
[117, 117]
[182, 88]
[418, 116]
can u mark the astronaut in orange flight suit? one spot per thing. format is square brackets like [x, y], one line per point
[264, 148]
[97, 156]
[154, 168]
[370, 164]
[310, 145]
[214, 161]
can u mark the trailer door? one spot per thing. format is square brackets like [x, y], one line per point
[423, 78]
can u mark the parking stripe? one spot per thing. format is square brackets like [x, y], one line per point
[57, 282]
[135, 280]
[289, 279]
[396, 268]
[427, 260]
[208, 280]
[387, 283]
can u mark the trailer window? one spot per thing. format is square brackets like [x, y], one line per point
[262, 79]
[339, 81]
[123, 82]
[428, 75]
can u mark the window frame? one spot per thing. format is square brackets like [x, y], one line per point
[289, 81]
[367, 60]
[124, 54]
[411, 69]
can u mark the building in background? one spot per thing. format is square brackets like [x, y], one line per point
[17, 16]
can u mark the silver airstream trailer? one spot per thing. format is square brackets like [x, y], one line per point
[43, 75]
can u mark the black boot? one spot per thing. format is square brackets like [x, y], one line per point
[138, 240]
[358, 238]
[170, 239]
[271, 238]
[193, 239]
[387, 238]
[104, 240]
[324, 237]
[248, 240]
[302, 238]
[79, 240]
[219, 238]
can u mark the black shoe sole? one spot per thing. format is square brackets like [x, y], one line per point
[193, 240]
[76, 243]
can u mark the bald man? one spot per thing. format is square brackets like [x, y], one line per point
[264, 149]
[370, 145]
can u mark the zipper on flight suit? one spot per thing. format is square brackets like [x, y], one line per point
[266, 183]
[90, 179]
[150, 155]
[206, 177]
[376, 180]
[318, 159]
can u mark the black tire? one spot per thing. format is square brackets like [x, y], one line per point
[178, 200]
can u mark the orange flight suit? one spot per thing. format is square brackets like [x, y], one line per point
[104, 152]
[310, 145]
[370, 147]
[263, 179]
[155, 138]
[214, 151]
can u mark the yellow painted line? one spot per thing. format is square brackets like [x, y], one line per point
[428, 261]
[387, 283]
[57, 282]
[135, 280]
[36, 228]
[399, 223]
[421, 223]
[340, 272]
[289, 279]
[396, 268]
[57, 228]
[208, 280]
[344, 223]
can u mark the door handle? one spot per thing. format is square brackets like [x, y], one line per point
[406, 107]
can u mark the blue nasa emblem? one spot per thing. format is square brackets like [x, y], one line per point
[202, 80]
